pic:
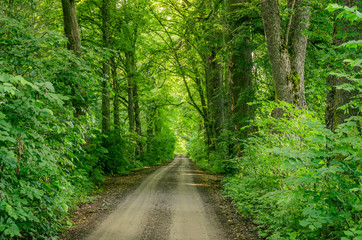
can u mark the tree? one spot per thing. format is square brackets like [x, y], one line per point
[130, 64]
[240, 67]
[338, 97]
[116, 117]
[287, 49]
[71, 30]
[71, 27]
[214, 81]
[106, 111]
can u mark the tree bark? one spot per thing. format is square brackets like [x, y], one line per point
[116, 119]
[240, 70]
[336, 98]
[71, 27]
[158, 122]
[130, 89]
[287, 49]
[215, 95]
[137, 117]
[210, 72]
[106, 113]
[71, 30]
[137, 109]
[151, 112]
[151, 120]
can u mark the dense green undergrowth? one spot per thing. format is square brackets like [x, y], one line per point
[299, 180]
[293, 176]
[50, 159]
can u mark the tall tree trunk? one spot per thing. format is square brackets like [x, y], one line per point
[130, 89]
[116, 119]
[71, 27]
[151, 111]
[205, 104]
[240, 70]
[220, 99]
[158, 122]
[214, 78]
[339, 97]
[287, 49]
[71, 30]
[106, 112]
[215, 96]
[137, 109]
[210, 75]
[137, 117]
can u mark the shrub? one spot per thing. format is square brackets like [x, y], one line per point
[298, 179]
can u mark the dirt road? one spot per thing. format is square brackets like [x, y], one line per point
[167, 205]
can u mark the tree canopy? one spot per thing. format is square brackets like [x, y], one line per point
[266, 92]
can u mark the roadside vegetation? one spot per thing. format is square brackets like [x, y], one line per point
[266, 92]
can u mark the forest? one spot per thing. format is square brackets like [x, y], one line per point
[266, 92]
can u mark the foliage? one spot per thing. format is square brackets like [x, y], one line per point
[119, 162]
[161, 148]
[33, 186]
[198, 150]
[50, 158]
[298, 179]
[43, 164]
[34, 161]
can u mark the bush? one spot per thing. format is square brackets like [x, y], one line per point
[198, 151]
[40, 146]
[160, 148]
[298, 179]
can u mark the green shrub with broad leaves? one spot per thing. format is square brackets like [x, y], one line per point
[298, 179]
[49, 158]
[34, 189]
[41, 146]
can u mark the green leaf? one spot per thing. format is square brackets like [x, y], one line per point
[20, 80]
[12, 231]
[304, 223]
[333, 7]
[2, 227]
[352, 44]
[38, 104]
[317, 225]
[64, 207]
[350, 9]
[359, 14]
[37, 193]
[8, 88]
[11, 212]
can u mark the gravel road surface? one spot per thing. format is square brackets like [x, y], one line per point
[167, 205]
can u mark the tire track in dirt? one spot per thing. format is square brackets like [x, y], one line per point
[167, 205]
[126, 221]
[158, 221]
[193, 219]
